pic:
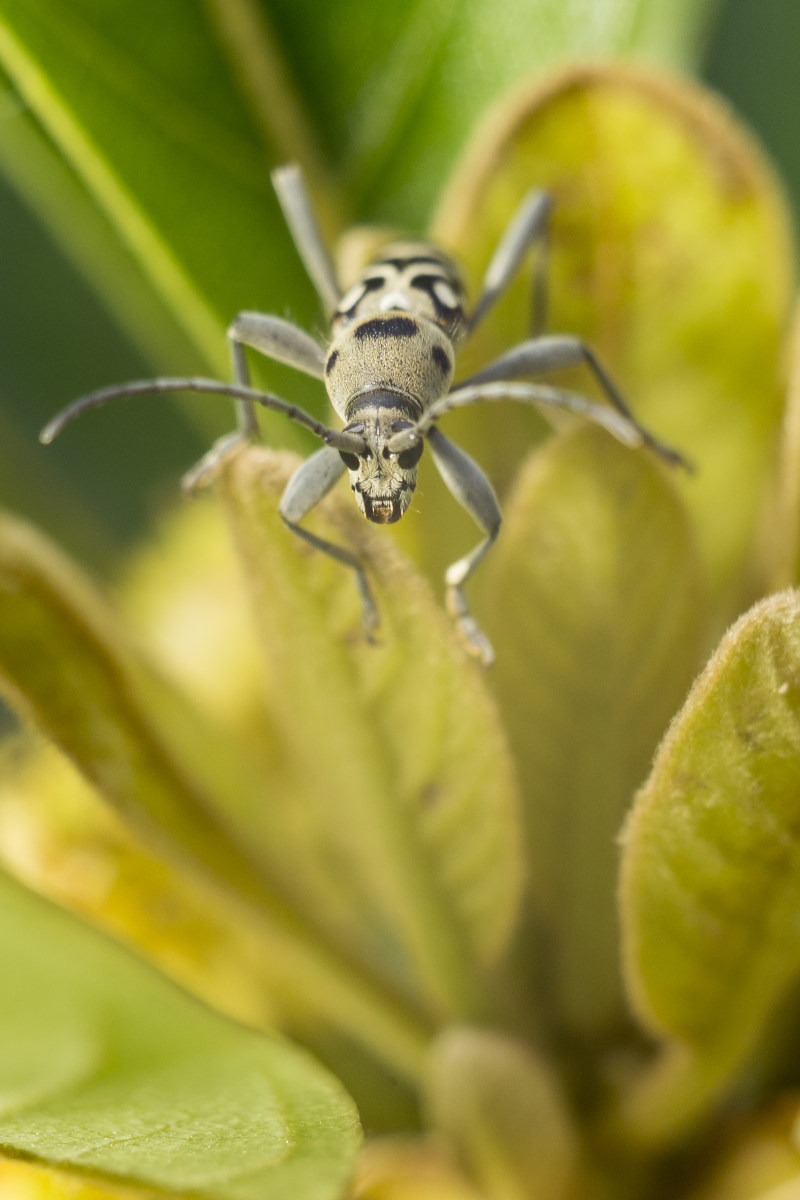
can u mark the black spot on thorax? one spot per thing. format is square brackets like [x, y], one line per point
[331, 363]
[442, 359]
[389, 326]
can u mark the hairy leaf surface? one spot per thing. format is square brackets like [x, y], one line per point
[172, 775]
[409, 812]
[596, 611]
[710, 899]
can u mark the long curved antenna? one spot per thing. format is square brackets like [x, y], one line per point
[340, 440]
[525, 393]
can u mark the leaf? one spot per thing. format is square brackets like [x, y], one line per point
[405, 1168]
[160, 136]
[502, 1111]
[404, 821]
[394, 91]
[66, 664]
[43, 179]
[755, 1156]
[106, 1068]
[709, 897]
[181, 785]
[596, 611]
[63, 841]
[672, 255]
[779, 547]
[26, 1181]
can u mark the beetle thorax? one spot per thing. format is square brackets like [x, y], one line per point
[391, 351]
[395, 328]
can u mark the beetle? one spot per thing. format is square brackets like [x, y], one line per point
[388, 370]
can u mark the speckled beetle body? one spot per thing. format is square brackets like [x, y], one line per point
[388, 370]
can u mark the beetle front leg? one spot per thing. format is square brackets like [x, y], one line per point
[309, 484]
[467, 482]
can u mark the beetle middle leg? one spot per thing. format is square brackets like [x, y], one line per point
[312, 480]
[276, 339]
[529, 225]
[538, 356]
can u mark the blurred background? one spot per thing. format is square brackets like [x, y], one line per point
[98, 491]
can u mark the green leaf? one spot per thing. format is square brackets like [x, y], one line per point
[403, 823]
[501, 1109]
[175, 778]
[395, 90]
[44, 180]
[159, 134]
[596, 612]
[710, 897]
[672, 255]
[106, 1068]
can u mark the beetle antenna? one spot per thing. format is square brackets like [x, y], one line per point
[140, 387]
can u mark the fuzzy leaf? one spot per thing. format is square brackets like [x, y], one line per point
[173, 777]
[408, 820]
[66, 664]
[780, 534]
[710, 897]
[672, 255]
[106, 1068]
[596, 613]
[501, 1109]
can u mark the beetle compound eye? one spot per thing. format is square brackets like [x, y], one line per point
[349, 460]
[410, 458]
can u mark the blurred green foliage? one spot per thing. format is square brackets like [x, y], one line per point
[98, 491]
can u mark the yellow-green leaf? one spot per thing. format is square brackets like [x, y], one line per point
[596, 611]
[29, 1181]
[59, 837]
[105, 1068]
[780, 535]
[405, 1168]
[756, 1159]
[67, 665]
[672, 255]
[501, 1108]
[404, 826]
[182, 785]
[710, 898]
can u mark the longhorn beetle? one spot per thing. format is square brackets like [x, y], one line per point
[388, 370]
